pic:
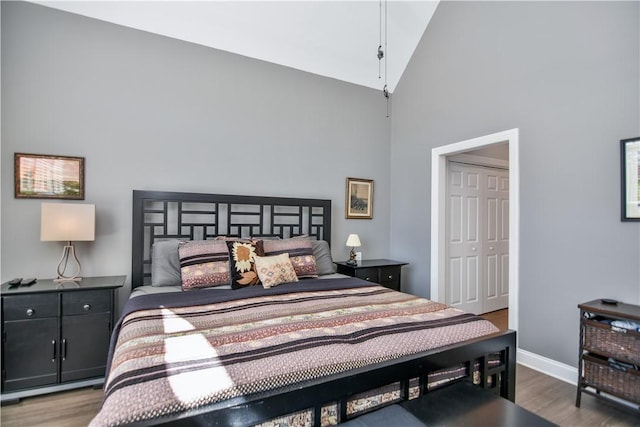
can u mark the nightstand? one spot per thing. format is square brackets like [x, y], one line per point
[55, 336]
[383, 271]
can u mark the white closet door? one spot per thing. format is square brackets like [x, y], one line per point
[463, 275]
[477, 275]
[496, 244]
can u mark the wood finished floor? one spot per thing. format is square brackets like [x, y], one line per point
[499, 318]
[546, 396]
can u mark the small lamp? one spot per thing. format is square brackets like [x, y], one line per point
[354, 241]
[66, 222]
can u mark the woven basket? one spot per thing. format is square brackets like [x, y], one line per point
[598, 374]
[600, 338]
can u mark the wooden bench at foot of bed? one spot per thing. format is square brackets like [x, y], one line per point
[460, 404]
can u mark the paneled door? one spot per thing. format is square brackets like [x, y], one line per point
[477, 276]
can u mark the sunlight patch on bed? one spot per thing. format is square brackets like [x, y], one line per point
[191, 385]
[174, 323]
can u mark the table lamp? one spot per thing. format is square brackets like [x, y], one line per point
[67, 222]
[354, 241]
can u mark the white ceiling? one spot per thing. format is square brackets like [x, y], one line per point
[337, 39]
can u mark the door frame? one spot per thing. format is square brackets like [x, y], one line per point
[438, 213]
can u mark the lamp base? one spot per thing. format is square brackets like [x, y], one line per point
[352, 258]
[68, 256]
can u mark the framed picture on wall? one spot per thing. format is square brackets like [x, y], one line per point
[630, 165]
[359, 199]
[39, 176]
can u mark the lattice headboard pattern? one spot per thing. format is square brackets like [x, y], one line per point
[195, 216]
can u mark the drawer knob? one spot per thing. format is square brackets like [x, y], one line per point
[86, 307]
[368, 279]
[30, 312]
[390, 277]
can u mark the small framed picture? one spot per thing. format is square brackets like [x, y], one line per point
[630, 165]
[359, 199]
[39, 176]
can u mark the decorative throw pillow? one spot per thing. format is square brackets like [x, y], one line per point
[242, 256]
[275, 270]
[203, 264]
[300, 252]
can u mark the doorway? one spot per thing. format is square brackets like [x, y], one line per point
[439, 158]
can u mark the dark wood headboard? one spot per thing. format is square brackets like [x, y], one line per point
[161, 215]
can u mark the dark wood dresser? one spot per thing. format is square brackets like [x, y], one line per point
[55, 336]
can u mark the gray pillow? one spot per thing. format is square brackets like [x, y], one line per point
[165, 263]
[322, 252]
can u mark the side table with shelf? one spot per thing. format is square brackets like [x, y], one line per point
[55, 336]
[608, 353]
[383, 271]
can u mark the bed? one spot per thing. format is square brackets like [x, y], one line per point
[316, 349]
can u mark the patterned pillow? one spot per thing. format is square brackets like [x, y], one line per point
[203, 264]
[300, 252]
[275, 270]
[242, 256]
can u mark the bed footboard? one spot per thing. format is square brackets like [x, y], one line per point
[338, 389]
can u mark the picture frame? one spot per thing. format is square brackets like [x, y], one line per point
[359, 198]
[41, 176]
[630, 167]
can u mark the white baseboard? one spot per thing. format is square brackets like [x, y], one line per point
[548, 366]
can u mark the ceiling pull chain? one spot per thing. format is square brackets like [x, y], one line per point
[386, 31]
[380, 51]
[385, 91]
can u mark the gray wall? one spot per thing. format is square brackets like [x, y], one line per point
[567, 75]
[149, 112]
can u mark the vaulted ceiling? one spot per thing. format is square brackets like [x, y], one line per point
[337, 39]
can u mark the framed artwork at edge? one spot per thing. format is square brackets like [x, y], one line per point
[630, 166]
[359, 199]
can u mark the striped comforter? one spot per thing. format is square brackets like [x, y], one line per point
[175, 352]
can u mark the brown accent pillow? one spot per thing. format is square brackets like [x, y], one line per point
[242, 265]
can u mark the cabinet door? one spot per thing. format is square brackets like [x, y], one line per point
[390, 277]
[84, 346]
[30, 353]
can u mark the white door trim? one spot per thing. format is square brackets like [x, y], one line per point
[438, 205]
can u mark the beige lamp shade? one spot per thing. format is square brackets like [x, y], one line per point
[67, 222]
[353, 240]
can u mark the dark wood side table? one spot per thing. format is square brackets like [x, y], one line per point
[383, 271]
[55, 336]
